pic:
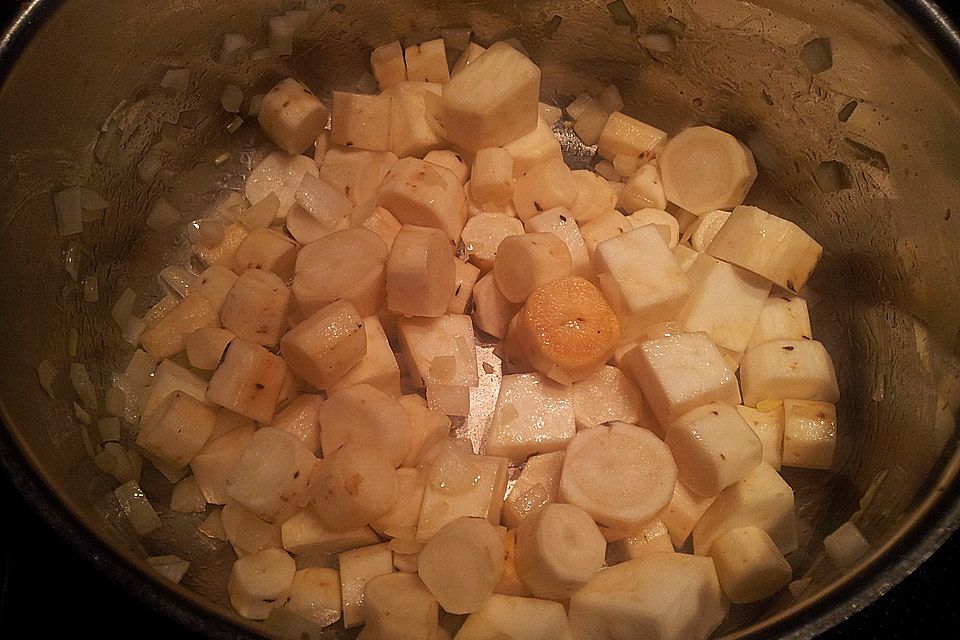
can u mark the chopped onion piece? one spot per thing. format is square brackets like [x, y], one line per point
[113, 459]
[109, 429]
[123, 307]
[150, 165]
[255, 103]
[114, 401]
[73, 338]
[223, 157]
[71, 260]
[136, 462]
[137, 508]
[235, 124]
[178, 279]
[231, 98]
[846, 546]
[170, 567]
[162, 215]
[233, 44]
[456, 37]
[261, 54]
[213, 526]
[47, 372]
[229, 207]
[83, 385]
[91, 450]
[611, 99]
[91, 289]
[139, 369]
[211, 232]
[133, 330]
[82, 415]
[69, 213]
[178, 80]
[280, 35]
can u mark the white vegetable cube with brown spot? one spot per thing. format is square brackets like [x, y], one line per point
[361, 121]
[427, 62]
[260, 583]
[604, 227]
[679, 373]
[749, 565]
[458, 485]
[413, 126]
[782, 318]
[387, 65]
[781, 369]
[545, 186]
[167, 378]
[483, 234]
[214, 284]
[428, 427]
[492, 311]
[595, 196]
[325, 346]
[653, 539]
[267, 249]
[466, 279]
[560, 222]
[524, 263]
[492, 101]
[623, 135]
[491, 177]
[319, 210]
[533, 415]
[357, 567]
[305, 535]
[713, 448]
[421, 272]
[683, 513]
[606, 396]
[345, 265]
[809, 433]
[536, 486]
[768, 425]
[354, 486]
[365, 415]
[449, 160]
[168, 336]
[424, 194]
[378, 367]
[301, 418]
[291, 116]
[356, 173]
[256, 307]
[537, 147]
[643, 189]
[176, 432]
[246, 531]
[315, 595]
[248, 380]
[440, 350]
[769, 246]
[205, 347]
[214, 463]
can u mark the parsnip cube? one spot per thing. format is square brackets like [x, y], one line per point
[427, 62]
[381, 222]
[545, 186]
[451, 400]
[269, 250]
[781, 369]
[214, 284]
[461, 485]
[428, 427]
[421, 272]
[413, 126]
[176, 432]
[462, 564]
[644, 189]
[205, 347]
[768, 425]
[492, 311]
[701, 232]
[483, 234]
[772, 247]
[354, 486]
[319, 210]
[361, 121]
[493, 101]
[536, 487]
[471, 53]
[749, 565]
[640, 277]
[315, 595]
[356, 173]
[450, 160]
[223, 253]
[623, 135]
[606, 396]
[653, 539]
[325, 346]
[167, 378]
[346, 265]
[782, 319]
[809, 433]
[387, 65]
[685, 256]
[440, 350]
[526, 262]
[399, 605]
[668, 596]
[305, 535]
[590, 123]
[604, 227]
[292, 116]
[762, 499]
[368, 416]
[248, 380]
[508, 617]
[256, 307]
[595, 196]
[168, 336]
[533, 415]
[713, 448]
[260, 582]
[491, 177]
[466, 278]
[378, 367]
[424, 194]
[683, 513]
[357, 567]
[246, 532]
[215, 462]
[679, 373]
[301, 418]
[560, 222]
[539, 146]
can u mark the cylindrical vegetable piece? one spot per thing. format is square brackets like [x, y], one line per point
[261, 582]
[345, 265]
[367, 416]
[483, 234]
[325, 346]
[526, 263]
[421, 272]
[399, 605]
[462, 564]
[291, 116]
[749, 565]
[354, 485]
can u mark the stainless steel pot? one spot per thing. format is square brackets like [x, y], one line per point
[851, 106]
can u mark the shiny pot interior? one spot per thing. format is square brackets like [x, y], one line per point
[861, 154]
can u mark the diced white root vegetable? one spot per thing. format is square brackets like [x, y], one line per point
[524, 263]
[450, 160]
[413, 126]
[644, 189]
[642, 464]
[607, 171]
[451, 400]
[471, 53]
[440, 350]
[387, 65]
[580, 105]
[246, 532]
[702, 232]
[483, 234]
[653, 539]
[292, 116]
[281, 175]
[134, 504]
[475, 208]
[509, 617]
[325, 346]
[354, 486]
[399, 605]
[782, 319]
[510, 583]
[260, 582]
[167, 378]
[113, 459]
[401, 520]
[259, 216]
[640, 277]
[560, 222]
[378, 367]
[550, 113]
[623, 135]
[559, 548]
[458, 485]
[214, 284]
[491, 177]
[424, 194]
[305, 535]
[406, 562]
[665, 223]
[670, 596]
[809, 433]
[566, 330]
[357, 567]
[348, 265]
[545, 186]
[610, 98]
[679, 373]
[846, 546]
[772, 247]
[768, 425]
[378, 220]
[683, 513]
[177, 430]
[319, 210]
[513, 359]
[365, 415]
[248, 380]
[594, 197]
[168, 336]
[421, 272]
[267, 249]
[301, 418]
[604, 227]
[223, 253]
[315, 595]
[492, 311]
[157, 311]
[361, 121]
[466, 279]
[781, 369]
[749, 565]
[606, 396]
[533, 415]
[256, 307]
[427, 62]
[685, 256]
[762, 499]
[713, 448]
[356, 173]
[172, 568]
[590, 123]
[428, 427]
[187, 497]
[537, 147]
[215, 462]
[493, 100]
[725, 302]
[462, 564]
[536, 486]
